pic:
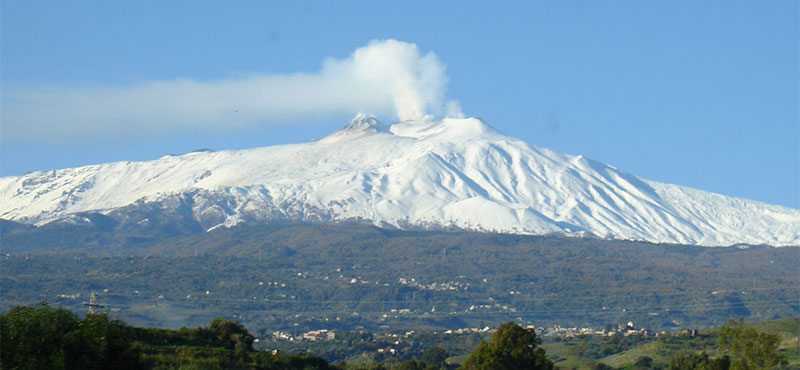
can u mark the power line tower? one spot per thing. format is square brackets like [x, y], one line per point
[93, 304]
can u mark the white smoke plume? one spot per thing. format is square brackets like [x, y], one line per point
[385, 77]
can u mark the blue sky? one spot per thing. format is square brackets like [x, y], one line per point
[702, 94]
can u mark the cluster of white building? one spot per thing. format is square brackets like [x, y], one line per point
[622, 329]
[313, 336]
[436, 286]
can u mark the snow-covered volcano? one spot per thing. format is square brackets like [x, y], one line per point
[456, 173]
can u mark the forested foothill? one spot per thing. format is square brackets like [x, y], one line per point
[298, 278]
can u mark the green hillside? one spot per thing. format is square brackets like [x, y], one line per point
[571, 354]
[348, 276]
[43, 337]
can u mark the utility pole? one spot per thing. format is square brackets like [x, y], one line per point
[93, 304]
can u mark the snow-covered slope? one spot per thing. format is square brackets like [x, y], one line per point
[451, 173]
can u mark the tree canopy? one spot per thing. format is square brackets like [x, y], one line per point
[755, 350]
[700, 361]
[745, 348]
[43, 337]
[512, 347]
[435, 356]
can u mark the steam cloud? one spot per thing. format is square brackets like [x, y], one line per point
[385, 77]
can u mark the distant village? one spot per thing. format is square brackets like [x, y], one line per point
[623, 330]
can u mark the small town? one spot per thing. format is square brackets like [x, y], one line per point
[624, 330]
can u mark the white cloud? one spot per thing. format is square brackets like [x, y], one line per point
[386, 77]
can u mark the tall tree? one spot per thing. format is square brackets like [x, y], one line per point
[511, 348]
[755, 350]
[231, 334]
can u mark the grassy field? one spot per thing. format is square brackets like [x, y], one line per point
[661, 351]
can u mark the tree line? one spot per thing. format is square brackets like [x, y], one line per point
[44, 337]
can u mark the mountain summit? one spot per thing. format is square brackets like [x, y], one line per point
[453, 173]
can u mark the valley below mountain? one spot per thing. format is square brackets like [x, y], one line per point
[301, 277]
